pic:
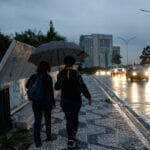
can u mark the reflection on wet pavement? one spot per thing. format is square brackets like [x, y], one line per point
[136, 94]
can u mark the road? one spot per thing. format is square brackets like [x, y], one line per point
[136, 94]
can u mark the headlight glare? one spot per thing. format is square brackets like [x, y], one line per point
[134, 73]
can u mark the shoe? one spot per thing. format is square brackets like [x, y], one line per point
[71, 143]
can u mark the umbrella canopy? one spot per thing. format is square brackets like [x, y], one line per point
[55, 51]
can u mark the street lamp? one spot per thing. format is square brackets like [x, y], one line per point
[144, 10]
[127, 41]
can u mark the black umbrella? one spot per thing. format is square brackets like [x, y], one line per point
[55, 51]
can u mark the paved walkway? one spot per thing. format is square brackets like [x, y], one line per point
[101, 126]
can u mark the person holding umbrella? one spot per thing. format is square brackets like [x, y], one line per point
[40, 92]
[71, 84]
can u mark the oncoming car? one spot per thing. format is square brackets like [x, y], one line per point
[103, 73]
[137, 74]
[118, 71]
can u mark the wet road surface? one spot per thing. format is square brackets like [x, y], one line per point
[136, 94]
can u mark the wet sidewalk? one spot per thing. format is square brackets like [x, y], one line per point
[101, 127]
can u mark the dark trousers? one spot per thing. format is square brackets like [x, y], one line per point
[71, 111]
[39, 109]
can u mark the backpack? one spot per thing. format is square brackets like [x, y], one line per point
[37, 89]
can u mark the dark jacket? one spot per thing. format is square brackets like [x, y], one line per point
[71, 84]
[48, 86]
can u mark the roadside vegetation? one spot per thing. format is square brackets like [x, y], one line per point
[31, 37]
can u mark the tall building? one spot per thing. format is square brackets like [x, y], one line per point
[99, 49]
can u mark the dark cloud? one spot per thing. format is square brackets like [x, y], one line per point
[75, 17]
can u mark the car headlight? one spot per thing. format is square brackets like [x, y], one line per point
[134, 73]
[115, 70]
[146, 73]
[97, 73]
[123, 70]
[102, 73]
[108, 73]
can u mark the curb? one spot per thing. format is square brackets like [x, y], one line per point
[138, 122]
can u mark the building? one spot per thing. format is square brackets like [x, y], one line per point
[99, 49]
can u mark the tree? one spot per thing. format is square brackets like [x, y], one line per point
[31, 37]
[28, 37]
[37, 38]
[145, 56]
[5, 41]
[52, 35]
[116, 59]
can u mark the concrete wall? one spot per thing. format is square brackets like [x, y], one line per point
[15, 65]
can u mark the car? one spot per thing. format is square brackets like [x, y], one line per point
[137, 74]
[103, 72]
[118, 71]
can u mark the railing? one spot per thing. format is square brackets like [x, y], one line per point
[17, 94]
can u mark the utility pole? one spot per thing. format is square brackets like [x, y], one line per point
[126, 42]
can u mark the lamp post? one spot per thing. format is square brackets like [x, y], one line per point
[127, 41]
[144, 10]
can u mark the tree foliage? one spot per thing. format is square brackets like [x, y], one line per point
[52, 35]
[28, 37]
[31, 37]
[116, 59]
[145, 56]
[37, 38]
[5, 41]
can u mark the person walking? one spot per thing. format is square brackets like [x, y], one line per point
[40, 92]
[71, 84]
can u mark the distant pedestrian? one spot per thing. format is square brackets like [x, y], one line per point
[71, 84]
[40, 92]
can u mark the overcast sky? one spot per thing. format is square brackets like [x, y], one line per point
[75, 17]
